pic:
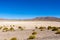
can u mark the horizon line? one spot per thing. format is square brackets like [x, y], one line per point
[29, 18]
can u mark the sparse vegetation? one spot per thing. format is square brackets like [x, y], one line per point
[58, 32]
[0, 28]
[32, 37]
[11, 29]
[58, 28]
[14, 38]
[36, 27]
[5, 29]
[20, 28]
[42, 28]
[54, 28]
[49, 27]
[13, 25]
[34, 33]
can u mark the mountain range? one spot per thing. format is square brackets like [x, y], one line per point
[34, 19]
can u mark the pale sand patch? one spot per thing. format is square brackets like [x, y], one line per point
[30, 24]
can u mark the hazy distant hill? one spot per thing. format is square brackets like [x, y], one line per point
[34, 19]
[47, 19]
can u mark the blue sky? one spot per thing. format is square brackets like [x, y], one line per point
[24, 9]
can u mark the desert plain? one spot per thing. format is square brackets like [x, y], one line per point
[28, 28]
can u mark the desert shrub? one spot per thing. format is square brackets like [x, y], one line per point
[36, 27]
[11, 29]
[42, 28]
[14, 38]
[58, 32]
[0, 28]
[54, 28]
[20, 28]
[13, 25]
[34, 33]
[49, 27]
[5, 29]
[32, 37]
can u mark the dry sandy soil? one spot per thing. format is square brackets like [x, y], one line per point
[29, 26]
[23, 35]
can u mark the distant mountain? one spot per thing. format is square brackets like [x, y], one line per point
[46, 19]
[34, 19]
[10, 19]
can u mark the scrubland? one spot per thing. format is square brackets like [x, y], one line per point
[29, 30]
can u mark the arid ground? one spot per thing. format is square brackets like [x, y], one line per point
[28, 28]
[30, 24]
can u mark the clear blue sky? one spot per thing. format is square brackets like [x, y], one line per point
[23, 9]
